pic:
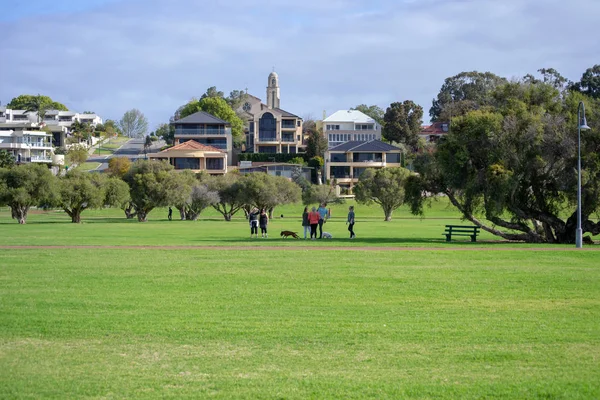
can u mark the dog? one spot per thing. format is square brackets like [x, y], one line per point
[327, 235]
[285, 234]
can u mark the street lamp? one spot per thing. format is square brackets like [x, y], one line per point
[581, 125]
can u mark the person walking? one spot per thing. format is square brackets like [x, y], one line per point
[263, 221]
[170, 216]
[313, 220]
[305, 223]
[253, 219]
[322, 218]
[350, 222]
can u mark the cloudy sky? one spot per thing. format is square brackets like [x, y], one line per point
[112, 55]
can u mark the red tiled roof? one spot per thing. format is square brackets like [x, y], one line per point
[192, 145]
[434, 129]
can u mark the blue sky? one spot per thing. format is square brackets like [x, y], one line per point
[113, 55]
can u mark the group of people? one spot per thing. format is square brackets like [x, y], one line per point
[319, 216]
[258, 219]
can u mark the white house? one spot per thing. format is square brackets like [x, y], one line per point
[26, 142]
[350, 125]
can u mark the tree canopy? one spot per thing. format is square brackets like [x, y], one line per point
[373, 111]
[133, 124]
[514, 163]
[25, 186]
[589, 83]
[402, 123]
[465, 91]
[383, 186]
[35, 103]
[7, 160]
[316, 144]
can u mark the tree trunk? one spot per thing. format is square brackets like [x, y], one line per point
[270, 213]
[142, 216]
[20, 213]
[129, 213]
[227, 216]
[388, 213]
[193, 216]
[76, 216]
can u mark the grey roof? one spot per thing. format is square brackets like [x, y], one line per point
[287, 114]
[201, 117]
[369, 146]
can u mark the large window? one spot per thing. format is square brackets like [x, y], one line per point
[393, 158]
[366, 157]
[187, 163]
[267, 149]
[358, 171]
[214, 163]
[267, 128]
[363, 127]
[339, 172]
[338, 157]
[333, 127]
[288, 124]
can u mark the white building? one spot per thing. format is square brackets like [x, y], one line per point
[26, 142]
[350, 125]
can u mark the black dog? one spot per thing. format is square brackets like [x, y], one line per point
[285, 234]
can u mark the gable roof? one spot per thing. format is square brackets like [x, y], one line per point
[192, 145]
[350, 116]
[437, 128]
[200, 117]
[360, 146]
[286, 113]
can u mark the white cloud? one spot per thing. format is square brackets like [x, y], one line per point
[155, 55]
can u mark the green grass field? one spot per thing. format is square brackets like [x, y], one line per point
[396, 313]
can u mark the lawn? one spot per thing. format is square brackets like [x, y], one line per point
[396, 313]
[88, 166]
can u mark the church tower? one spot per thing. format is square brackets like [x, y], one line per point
[273, 90]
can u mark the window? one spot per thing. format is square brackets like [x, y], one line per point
[267, 128]
[393, 158]
[333, 127]
[187, 163]
[214, 163]
[338, 157]
[330, 137]
[299, 123]
[251, 127]
[366, 157]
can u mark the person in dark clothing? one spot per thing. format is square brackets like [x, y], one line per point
[350, 222]
[263, 221]
[170, 216]
[253, 219]
[305, 223]
[322, 210]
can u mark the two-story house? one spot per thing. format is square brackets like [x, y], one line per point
[26, 141]
[194, 156]
[347, 161]
[205, 129]
[432, 133]
[271, 129]
[350, 125]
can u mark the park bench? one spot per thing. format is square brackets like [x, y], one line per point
[461, 230]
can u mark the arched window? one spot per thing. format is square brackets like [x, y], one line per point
[267, 127]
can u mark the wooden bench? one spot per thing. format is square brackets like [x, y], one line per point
[461, 230]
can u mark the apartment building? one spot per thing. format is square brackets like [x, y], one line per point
[26, 142]
[270, 128]
[205, 129]
[347, 161]
[350, 125]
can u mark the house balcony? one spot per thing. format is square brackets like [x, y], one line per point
[268, 139]
[288, 127]
[202, 132]
[41, 159]
[287, 139]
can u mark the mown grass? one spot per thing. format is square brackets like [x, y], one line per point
[495, 320]
[107, 323]
[88, 166]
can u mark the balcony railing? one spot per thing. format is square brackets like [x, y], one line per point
[202, 131]
[288, 126]
[267, 139]
[41, 159]
[287, 139]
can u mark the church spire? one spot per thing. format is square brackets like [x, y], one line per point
[273, 90]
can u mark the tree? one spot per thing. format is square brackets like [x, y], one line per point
[514, 165]
[147, 144]
[590, 82]
[212, 92]
[373, 111]
[402, 123]
[316, 144]
[230, 192]
[166, 132]
[265, 191]
[474, 88]
[7, 160]
[37, 103]
[383, 186]
[181, 184]
[25, 186]
[318, 194]
[236, 99]
[79, 191]
[200, 198]
[118, 166]
[151, 184]
[133, 124]
[308, 123]
[77, 155]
